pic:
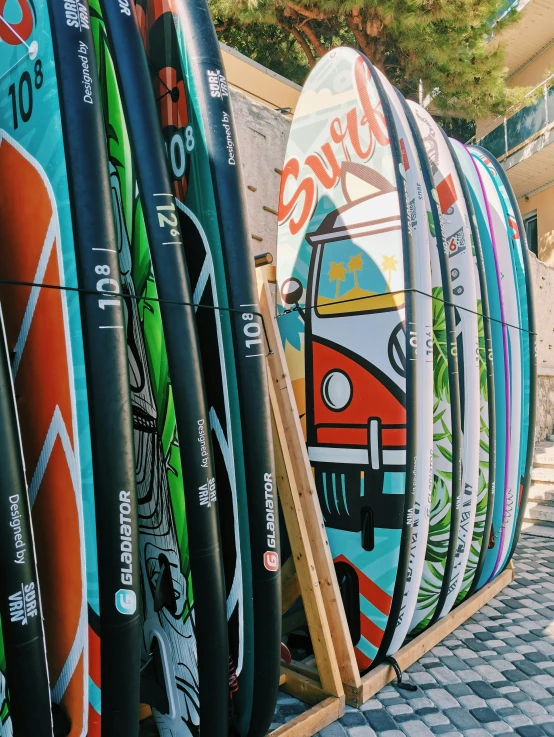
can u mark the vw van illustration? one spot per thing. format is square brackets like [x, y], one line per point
[355, 357]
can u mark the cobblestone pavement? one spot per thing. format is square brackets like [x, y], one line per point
[492, 676]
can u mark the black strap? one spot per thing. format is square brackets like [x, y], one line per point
[399, 682]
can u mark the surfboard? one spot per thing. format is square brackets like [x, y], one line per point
[344, 270]
[189, 165]
[465, 294]
[23, 668]
[205, 90]
[487, 450]
[185, 629]
[447, 430]
[497, 224]
[520, 263]
[497, 397]
[415, 206]
[44, 335]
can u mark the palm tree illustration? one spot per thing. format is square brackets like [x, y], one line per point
[337, 273]
[355, 264]
[388, 266]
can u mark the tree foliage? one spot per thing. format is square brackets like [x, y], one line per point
[444, 43]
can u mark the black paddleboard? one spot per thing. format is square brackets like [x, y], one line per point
[185, 368]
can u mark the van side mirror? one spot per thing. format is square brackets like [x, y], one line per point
[292, 291]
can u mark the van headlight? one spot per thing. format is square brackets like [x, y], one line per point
[336, 390]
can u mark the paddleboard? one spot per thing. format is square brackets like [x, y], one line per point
[464, 289]
[44, 335]
[502, 244]
[447, 430]
[182, 128]
[199, 56]
[196, 694]
[344, 270]
[520, 262]
[487, 451]
[23, 668]
[497, 389]
[414, 204]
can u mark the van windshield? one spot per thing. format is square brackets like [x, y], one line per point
[350, 281]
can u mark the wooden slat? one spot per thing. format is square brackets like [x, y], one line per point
[306, 570]
[302, 687]
[293, 621]
[416, 649]
[312, 721]
[300, 471]
[290, 586]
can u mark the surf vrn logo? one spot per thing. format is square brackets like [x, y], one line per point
[15, 33]
[76, 15]
[23, 604]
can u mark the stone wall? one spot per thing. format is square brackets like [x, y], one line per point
[262, 134]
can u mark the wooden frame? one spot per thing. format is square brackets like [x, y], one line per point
[310, 573]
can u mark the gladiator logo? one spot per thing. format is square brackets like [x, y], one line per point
[271, 560]
[17, 33]
[456, 243]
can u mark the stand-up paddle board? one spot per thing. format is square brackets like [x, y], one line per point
[199, 57]
[45, 338]
[181, 623]
[414, 204]
[487, 455]
[493, 420]
[182, 128]
[502, 247]
[118, 626]
[344, 267]
[520, 262]
[447, 430]
[23, 669]
[500, 353]
[463, 272]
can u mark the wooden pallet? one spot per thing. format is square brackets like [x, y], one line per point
[310, 573]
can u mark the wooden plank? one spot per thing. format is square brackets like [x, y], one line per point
[293, 621]
[302, 687]
[306, 570]
[419, 646]
[300, 470]
[312, 721]
[290, 585]
[305, 669]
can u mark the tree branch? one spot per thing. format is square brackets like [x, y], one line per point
[319, 48]
[370, 49]
[307, 12]
[301, 41]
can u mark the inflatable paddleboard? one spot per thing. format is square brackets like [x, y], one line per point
[182, 128]
[447, 431]
[464, 289]
[492, 360]
[520, 262]
[205, 91]
[44, 335]
[23, 669]
[497, 223]
[487, 453]
[414, 204]
[344, 264]
[185, 630]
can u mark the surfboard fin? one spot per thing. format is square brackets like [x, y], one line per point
[60, 720]
[350, 594]
[152, 682]
[164, 594]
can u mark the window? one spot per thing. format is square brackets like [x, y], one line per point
[351, 282]
[531, 232]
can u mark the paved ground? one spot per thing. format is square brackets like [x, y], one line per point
[493, 676]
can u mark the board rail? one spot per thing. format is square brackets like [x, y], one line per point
[331, 678]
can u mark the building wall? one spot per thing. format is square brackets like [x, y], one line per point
[543, 204]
